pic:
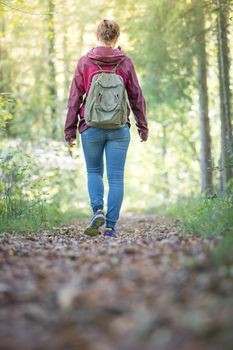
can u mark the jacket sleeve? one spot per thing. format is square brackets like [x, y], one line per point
[137, 102]
[75, 99]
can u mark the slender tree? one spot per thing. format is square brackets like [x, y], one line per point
[2, 52]
[52, 87]
[206, 161]
[5, 78]
[164, 156]
[66, 60]
[225, 98]
[6, 71]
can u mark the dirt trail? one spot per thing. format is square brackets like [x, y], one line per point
[150, 289]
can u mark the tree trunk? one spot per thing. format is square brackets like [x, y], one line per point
[2, 53]
[66, 63]
[66, 59]
[225, 98]
[5, 68]
[52, 87]
[206, 161]
[5, 77]
[164, 154]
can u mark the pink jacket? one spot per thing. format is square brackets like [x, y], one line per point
[87, 65]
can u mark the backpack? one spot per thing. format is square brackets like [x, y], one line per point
[106, 102]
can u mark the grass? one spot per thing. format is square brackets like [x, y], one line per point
[206, 217]
[201, 215]
[44, 217]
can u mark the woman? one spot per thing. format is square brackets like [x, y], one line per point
[95, 141]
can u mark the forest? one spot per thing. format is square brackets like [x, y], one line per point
[176, 241]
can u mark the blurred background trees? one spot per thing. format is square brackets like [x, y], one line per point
[182, 52]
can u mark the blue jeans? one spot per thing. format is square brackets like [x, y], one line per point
[115, 143]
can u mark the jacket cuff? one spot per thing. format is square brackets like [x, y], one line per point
[70, 136]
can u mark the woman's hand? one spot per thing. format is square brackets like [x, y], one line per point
[143, 136]
[71, 143]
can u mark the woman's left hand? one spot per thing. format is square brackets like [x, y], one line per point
[71, 143]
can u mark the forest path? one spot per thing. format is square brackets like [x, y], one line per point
[149, 289]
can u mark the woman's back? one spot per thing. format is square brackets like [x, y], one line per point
[87, 66]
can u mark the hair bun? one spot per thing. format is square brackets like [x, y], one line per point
[108, 30]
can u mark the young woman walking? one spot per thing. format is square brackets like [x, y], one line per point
[114, 141]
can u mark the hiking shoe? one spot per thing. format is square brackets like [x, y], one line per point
[96, 221]
[110, 232]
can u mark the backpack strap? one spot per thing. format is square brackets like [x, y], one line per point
[116, 66]
[103, 70]
[109, 71]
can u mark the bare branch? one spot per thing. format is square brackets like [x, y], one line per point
[24, 11]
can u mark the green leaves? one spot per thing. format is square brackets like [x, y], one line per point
[6, 103]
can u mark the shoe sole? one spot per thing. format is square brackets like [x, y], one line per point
[93, 229]
[111, 236]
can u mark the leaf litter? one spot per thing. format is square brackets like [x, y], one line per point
[149, 289]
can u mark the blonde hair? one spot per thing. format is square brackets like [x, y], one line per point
[107, 31]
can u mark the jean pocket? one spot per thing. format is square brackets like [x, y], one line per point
[124, 133]
[91, 134]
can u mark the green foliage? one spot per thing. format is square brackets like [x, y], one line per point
[20, 194]
[202, 215]
[6, 110]
[160, 40]
[207, 217]
[224, 251]
[31, 199]
[39, 218]
[213, 216]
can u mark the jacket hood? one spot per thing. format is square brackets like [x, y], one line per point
[103, 55]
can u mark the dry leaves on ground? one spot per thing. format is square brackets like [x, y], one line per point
[149, 289]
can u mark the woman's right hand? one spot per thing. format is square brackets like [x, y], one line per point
[143, 136]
